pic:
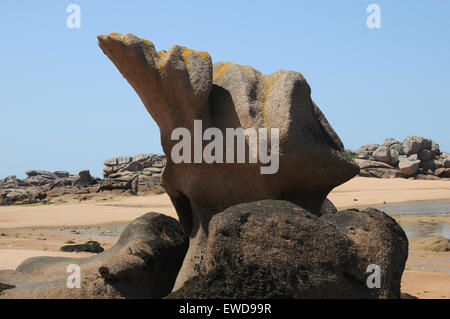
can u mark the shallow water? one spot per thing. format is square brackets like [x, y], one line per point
[93, 232]
[419, 228]
[426, 229]
[429, 228]
[440, 208]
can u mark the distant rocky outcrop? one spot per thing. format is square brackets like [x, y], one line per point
[140, 174]
[40, 186]
[416, 157]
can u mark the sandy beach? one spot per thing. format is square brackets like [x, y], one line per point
[40, 230]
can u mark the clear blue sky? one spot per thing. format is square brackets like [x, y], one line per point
[64, 106]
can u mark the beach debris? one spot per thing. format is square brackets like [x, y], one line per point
[88, 247]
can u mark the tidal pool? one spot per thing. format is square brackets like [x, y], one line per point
[425, 227]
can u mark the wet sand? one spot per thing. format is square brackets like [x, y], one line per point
[362, 191]
[118, 210]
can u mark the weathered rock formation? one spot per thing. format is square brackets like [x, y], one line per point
[416, 157]
[140, 174]
[182, 85]
[41, 186]
[275, 249]
[143, 264]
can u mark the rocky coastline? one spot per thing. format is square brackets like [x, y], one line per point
[126, 175]
[415, 158]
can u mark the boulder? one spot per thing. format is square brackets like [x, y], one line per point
[43, 174]
[435, 149]
[11, 179]
[328, 207]
[108, 170]
[390, 141]
[133, 167]
[142, 157]
[408, 167]
[111, 162]
[440, 172]
[143, 264]
[21, 196]
[84, 178]
[62, 174]
[382, 154]
[430, 165]
[367, 149]
[365, 173]
[394, 157]
[378, 240]
[397, 147]
[446, 162]
[363, 164]
[275, 249]
[414, 144]
[148, 184]
[124, 160]
[118, 161]
[384, 172]
[446, 174]
[425, 155]
[89, 247]
[182, 85]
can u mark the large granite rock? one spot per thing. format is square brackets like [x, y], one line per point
[123, 175]
[416, 157]
[138, 174]
[414, 144]
[431, 165]
[182, 85]
[409, 167]
[367, 150]
[446, 162]
[382, 154]
[143, 264]
[275, 249]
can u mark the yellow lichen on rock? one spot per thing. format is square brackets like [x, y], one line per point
[162, 57]
[221, 71]
[268, 87]
[246, 69]
[186, 52]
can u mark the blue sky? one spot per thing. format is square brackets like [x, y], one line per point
[64, 106]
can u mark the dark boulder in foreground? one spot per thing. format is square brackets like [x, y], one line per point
[275, 249]
[143, 264]
[89, 247]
